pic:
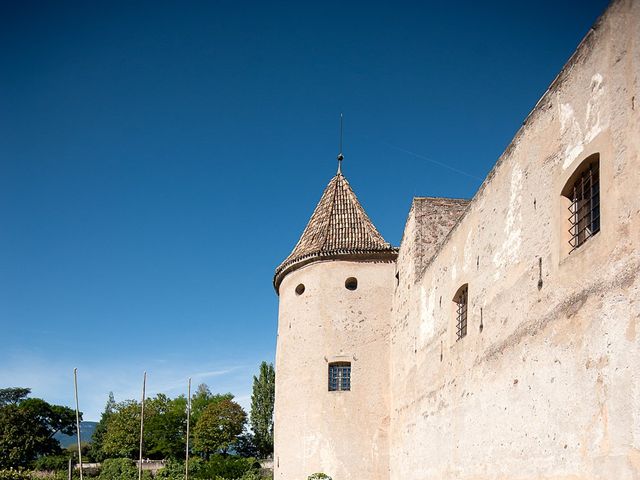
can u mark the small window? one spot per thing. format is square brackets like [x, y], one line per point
[461, 300]
[351, 283]
[339, 376]
[583, 192]
[300, 289]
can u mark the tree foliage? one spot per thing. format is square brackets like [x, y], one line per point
[11, 474]
[97, 439]
[118, 433]
[218, 427]
[202, 398]
[13, 395]
[121, 438]
[121, 469]
[27, 426]
[165, 427]
[262, 402]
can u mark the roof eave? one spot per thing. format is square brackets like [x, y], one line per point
[285, 268]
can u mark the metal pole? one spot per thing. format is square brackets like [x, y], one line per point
[144, 385]
[69, 470]
[75, 384]
[186, 462]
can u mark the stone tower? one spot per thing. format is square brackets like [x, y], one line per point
[332, 359]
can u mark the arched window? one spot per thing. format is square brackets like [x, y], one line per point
[583, 192]
[339, 376]
[461, 300]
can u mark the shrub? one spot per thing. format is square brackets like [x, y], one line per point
[228, 467]
[59, 475]
[252, 475]
[11, 474]
[173, 470]
[51, 463]
[121, 469]
[319, 476]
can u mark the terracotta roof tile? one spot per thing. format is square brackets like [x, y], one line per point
[338, 227]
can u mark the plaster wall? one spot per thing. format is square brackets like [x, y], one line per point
[343, 434]
[546, 384]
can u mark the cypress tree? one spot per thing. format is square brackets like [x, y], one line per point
[262, 400]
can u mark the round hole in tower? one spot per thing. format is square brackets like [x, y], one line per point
[351, 283]
[300, 289]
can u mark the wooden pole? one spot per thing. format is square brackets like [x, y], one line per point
[75, 384]
[186, 462]
[144, 385]
[69, 470]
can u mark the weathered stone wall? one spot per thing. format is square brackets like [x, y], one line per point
[430, 221]
[343, 434]
[546, 384]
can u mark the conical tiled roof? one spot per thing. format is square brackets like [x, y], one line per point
[339, 228]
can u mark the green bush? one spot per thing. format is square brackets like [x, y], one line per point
[59, 475]
[11, 474]
[227, 467]
[319, 476]
[252, 475]
[52, 463]
[121, 469]
[174, 470]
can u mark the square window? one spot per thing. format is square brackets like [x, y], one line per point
[339, 376]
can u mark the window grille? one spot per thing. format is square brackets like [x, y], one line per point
[461, 312]
[339, 376]
[584, 219]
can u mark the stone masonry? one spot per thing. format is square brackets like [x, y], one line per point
[544, 384]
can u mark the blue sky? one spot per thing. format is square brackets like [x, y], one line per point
[158, 160]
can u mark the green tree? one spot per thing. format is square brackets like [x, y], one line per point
[262, 401]
[202, 398]
[27, 426]
[122, 435]
[245, 446]
[13, 395]
[165, 427]
[218, 427]
[97, 440]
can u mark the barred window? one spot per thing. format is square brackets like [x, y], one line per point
[339, 376]
[461, 300]
[583, 192]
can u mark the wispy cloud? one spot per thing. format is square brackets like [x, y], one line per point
[53, 379]
[430, 160]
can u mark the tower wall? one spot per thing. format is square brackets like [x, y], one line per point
[342, 434]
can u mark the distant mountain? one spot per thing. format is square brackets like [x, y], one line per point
[86, 432]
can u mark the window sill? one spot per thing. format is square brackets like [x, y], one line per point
[587, 246]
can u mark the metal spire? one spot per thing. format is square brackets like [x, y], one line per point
[340, 155]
